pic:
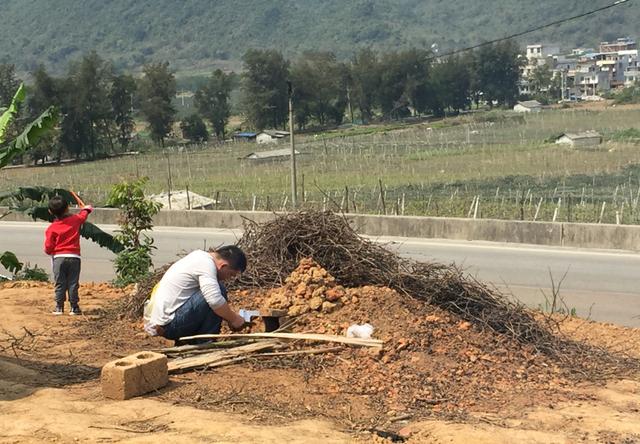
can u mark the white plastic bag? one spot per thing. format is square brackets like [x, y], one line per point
[363, 331]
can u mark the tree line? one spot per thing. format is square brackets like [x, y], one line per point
[99, 106]
[373, 84]
[96, 105]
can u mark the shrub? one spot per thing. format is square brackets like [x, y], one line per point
[134, 262]
[34, 273]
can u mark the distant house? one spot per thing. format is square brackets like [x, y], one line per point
[245, 137]
[580, 140]
[282, 154]
[529, 106]
[271, 136]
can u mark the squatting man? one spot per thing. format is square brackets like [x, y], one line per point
[191, 298]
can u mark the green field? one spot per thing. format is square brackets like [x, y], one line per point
[498, 160]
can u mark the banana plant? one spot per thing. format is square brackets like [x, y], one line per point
[32, 200]
[10, 261]
[30, 136]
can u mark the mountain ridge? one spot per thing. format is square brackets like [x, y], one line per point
[199, 34]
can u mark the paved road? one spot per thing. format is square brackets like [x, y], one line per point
[599, 284]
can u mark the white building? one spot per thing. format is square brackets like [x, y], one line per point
[541, 51]
[632, 73]
[621, 44]
[589, 79]
[616, 63]
[537, 55]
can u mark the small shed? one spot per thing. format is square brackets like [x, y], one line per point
[529, 106]
[265, 156]
[271, 136]
[245, 137]
[580, 140]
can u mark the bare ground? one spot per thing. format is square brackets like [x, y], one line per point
[49, 391]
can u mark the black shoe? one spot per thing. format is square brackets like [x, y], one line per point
[58, 310]
[75, 311]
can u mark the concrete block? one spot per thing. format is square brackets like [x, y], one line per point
[134, 375]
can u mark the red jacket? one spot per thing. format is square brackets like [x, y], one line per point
[63, 235]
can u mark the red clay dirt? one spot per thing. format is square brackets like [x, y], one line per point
[437, 379]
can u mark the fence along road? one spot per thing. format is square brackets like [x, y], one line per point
[601, 283]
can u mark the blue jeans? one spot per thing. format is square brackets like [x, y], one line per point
[194, 317]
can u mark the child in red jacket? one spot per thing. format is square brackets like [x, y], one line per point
[62, 242]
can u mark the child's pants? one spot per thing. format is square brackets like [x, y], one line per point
[66, 272]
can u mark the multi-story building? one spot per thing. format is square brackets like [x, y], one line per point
[588, 79]
[621, 44]
[536, 55]
[632, 73]
[584, 71]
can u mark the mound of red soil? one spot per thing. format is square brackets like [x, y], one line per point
[431, 361]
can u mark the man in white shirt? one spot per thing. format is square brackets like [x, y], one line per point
[190, 299]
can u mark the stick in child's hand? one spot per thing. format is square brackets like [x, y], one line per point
[78, 200]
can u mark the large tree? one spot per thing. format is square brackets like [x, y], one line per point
[404, 82]
[212, 101]
[451, 82]
[157, 90]
[497, 72]
[364, 81]
[45, 91]
[194, 129]
[540, 79]
[264, 88]
[320, 87]
[88, 124]
[121, 96]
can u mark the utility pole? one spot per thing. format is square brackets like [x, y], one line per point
[294, 187]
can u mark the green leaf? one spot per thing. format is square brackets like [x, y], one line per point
[38, 194]
[88, 230]
[41, 212]
[30, 136]
[8, 115]
[105, 240]
[10, 261]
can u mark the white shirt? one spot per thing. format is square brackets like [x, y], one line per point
[196, 272]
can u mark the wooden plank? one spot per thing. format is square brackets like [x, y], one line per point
[314, 351]
[300, 336]
[206, 346]
[219, 356]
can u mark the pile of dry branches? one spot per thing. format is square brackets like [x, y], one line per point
[274, 249]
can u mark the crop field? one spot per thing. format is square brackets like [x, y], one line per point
[484, 165]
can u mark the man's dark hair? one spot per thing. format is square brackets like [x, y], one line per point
[58, 206]
[234, 256]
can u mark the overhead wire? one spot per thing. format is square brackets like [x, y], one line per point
[534, 29]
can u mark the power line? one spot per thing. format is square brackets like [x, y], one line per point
[537, 28]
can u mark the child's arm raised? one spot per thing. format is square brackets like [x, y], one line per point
[86, 209]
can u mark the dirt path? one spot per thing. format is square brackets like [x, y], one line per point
[49, 393]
